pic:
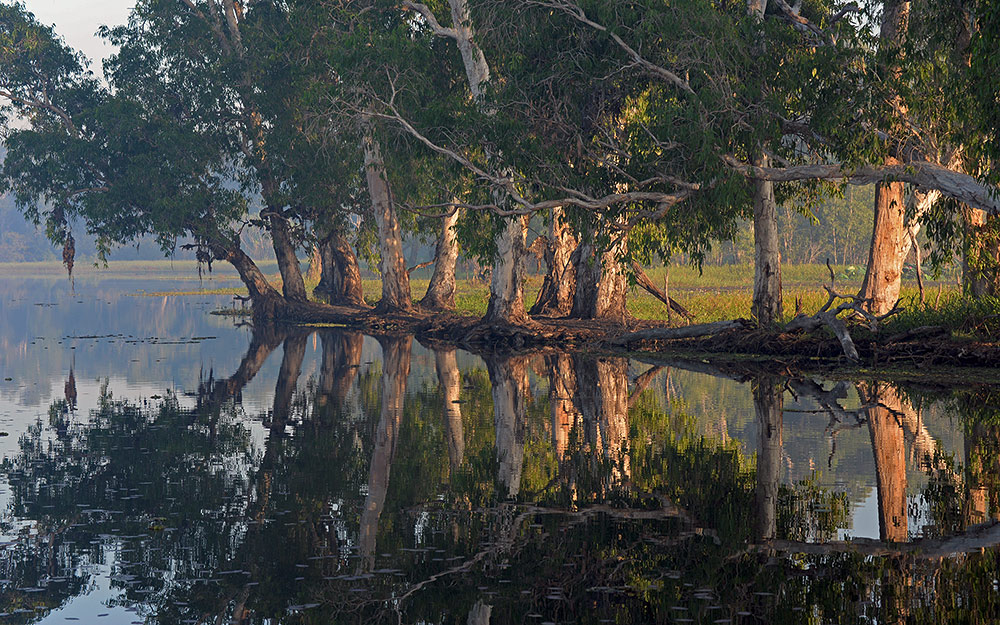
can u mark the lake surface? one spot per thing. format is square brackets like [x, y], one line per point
[164, 465]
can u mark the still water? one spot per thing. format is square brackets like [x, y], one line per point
[165, 465]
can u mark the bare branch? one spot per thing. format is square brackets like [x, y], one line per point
[45, 105]
[925, 174]
[578, 14]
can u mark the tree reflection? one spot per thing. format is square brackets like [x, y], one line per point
[487, 494]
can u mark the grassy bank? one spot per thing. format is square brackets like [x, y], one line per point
[716, 293]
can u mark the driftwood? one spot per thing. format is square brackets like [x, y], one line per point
[643, 280]
[687, 332]
[831, 319]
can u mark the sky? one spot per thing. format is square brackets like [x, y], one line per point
[77, 22]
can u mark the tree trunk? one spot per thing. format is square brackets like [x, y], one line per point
[766, 306]
[885, 261]
[450, 381]
[315, 271]
[890, 460]
[562, 390]
[506, 306]
[292, 284]
[768, 402]
[441, 290]
[981, 254]
[395, 278]
[889, 238]
[340, 283]
[395, 369]
[508, 377]
[601, 283]
[265, 299]
[555, 299]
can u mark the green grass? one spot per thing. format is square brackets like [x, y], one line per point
[716, 293]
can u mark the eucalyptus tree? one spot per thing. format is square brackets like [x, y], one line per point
[85, 151]
[214, 59]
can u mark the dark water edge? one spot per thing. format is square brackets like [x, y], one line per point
[161, 465]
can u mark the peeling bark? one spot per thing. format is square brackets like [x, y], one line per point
[766, 306]
[395, 278]
[555, 298]
[340, 282]
[506, 305]
[601, 283]
[441, 289]
[885, 256]
[395, 369]
[508, 377]
[768, 402]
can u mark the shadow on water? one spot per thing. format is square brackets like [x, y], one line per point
[427, 485]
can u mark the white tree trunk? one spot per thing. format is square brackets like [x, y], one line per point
[441, 289]
[476, 68]
[395, 279]
[506, 306]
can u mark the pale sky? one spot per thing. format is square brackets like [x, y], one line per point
[77, 22]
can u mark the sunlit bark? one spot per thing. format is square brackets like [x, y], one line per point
[601, 283]
[441, 289]
[556, 295]
[395, 278]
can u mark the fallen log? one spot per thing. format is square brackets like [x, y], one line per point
[687, 332]
[643, 280]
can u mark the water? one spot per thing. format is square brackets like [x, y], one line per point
[165, 465]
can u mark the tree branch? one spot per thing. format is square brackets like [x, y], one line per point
[925, 174]
[574, 11]
[431, 20]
